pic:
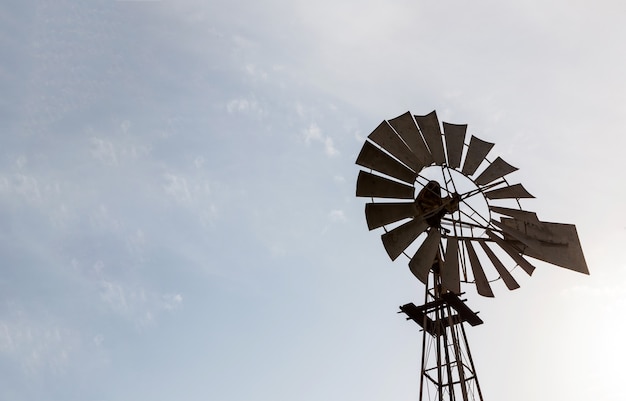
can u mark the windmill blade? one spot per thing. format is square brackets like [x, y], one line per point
[499, 168]
[406, 128]
[455, 138]
[510, 192]
[398, 239]
[450, 278]
[374, 158]
[476, 153]
[482, 284]
[368, 184]
[513, 253]
[385, 136]
[557, 244]
[518, 214]
[508, 279]
[380, 214]
[424, 258]
[429, 126]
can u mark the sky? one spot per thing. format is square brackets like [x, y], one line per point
[177, 195]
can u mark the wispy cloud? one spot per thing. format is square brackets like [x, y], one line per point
[177, 187]
[255, 72]
[329, 147]
[245, 105]
[23, 185]
[337, 215]
[192, 191]
[136, 303]
[123, 145]
[38, 344]
[314, 134]
[104, 151]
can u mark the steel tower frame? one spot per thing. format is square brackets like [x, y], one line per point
[447, 371]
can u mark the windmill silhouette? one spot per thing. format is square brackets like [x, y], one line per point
[450, 210]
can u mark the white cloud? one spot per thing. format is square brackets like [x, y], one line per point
[98, 340]
[199, 162]
[245, 106]
[278, 249]
[104, 151]
[329, 147]
[255, 72]
[37, 344]
[135, 243]
[136, 303]
[359, 137]
[313, 133]
[193, 192]
[103, 220]
[171, 301]
[21, 162]
[299, 109]
[242, 42]
[121, 148]
[25, 186]
[177, 187]
[337, 215]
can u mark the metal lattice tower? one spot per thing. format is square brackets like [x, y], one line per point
[447, 370]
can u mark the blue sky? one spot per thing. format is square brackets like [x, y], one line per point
[177, 195]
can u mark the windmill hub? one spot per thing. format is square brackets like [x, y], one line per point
[432, 206]
[463, 205]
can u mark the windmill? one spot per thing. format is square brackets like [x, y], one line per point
[449, 209]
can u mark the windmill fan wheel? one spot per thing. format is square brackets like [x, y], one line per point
[439, 198]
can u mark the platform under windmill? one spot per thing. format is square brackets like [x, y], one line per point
[446, 206]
